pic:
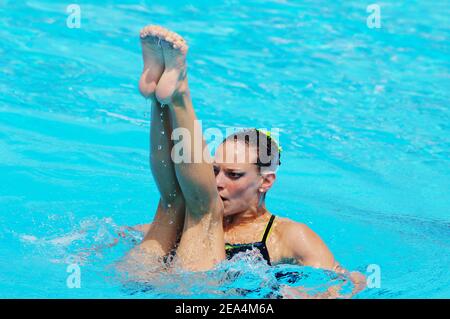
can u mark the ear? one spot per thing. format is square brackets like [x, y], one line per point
[267, 181]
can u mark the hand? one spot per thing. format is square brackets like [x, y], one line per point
[359, 281]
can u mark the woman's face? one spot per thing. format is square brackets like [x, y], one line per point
[237, 177]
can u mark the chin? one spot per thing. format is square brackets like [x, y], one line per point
[227, 212]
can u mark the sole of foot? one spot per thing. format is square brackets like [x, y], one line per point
[152, 54]
[173, 80]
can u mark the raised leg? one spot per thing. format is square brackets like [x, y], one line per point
[202, 242]
[166, 228]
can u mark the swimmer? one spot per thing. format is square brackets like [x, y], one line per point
[214, 209]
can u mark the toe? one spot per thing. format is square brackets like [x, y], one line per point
[169, 37]
[164, 37]
[154, 32]
[178, 44]
[143, 32]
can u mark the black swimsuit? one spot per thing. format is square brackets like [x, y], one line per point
[233, 249]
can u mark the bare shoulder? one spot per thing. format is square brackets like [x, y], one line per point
[291, 234]
[303, 244]
[290, 229]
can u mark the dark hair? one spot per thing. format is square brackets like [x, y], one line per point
[268, 151]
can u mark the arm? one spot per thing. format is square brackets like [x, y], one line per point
[308, 249]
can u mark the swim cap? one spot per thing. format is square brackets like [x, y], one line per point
[268, 151]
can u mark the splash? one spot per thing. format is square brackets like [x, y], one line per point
[246, 275]
[92, 238]
[113, 252]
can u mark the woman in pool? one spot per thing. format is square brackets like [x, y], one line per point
[211, 209]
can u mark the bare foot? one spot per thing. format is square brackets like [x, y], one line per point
[153, 58]
[173, 80]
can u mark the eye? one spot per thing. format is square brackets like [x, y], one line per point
[216, 170]
[235, 175]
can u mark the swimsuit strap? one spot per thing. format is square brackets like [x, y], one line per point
[268, 229]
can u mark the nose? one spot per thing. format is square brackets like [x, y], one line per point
[220, 181]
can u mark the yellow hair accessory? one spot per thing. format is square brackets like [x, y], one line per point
[268, 134]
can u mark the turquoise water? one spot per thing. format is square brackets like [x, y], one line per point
[363, 113]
